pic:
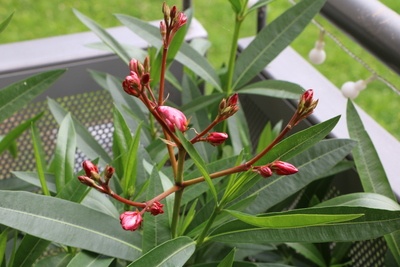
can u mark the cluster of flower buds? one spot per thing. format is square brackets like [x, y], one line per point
[173, 117]
[173, 21]
[278, 167]
[138, 78]
[307, 104]
[228, 107]
[94, 179]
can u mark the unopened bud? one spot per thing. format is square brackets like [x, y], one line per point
[307, 104]
[87, 181]
[156, 208]
[89, 168]
[132, 84]
[145, 79]
[173, 118]
[283, 168]
[216, 138]
[264, 171]
[108, 172]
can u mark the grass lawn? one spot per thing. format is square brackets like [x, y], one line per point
[43, 18]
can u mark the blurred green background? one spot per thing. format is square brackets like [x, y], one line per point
[44, 18]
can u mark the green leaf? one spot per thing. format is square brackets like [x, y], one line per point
[373, 224]
[300, 141]
[237, 6]
[198, 161]
[60, 260]
[39, 158]
[268, 135]
[370, 200]
[228, 260]
[259, 4]
[293, 220]
[3, 244]
[103, 35]
[130, 165]
[370, 169]
[16, 132]
[3, 25]
[310, 252]
[369, 166]
[271, 40]
[186, 56]
[17, 95]
[89, 259]
[312, 165]
[29, 250]
[156, 230]
[171, 253]
[24, 211]
[85, 141]
[273, 88]
[200, 103]
[64, 156]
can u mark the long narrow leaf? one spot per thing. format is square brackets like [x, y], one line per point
[292, 220]
[273, 39]
[171, 253]
[64, 156]
[86, 228]
[29, 250]
[369, 167]
[17, 95]
[103, 35]
[200, 164]
[39, 158]
[273, 88]
[373, 224]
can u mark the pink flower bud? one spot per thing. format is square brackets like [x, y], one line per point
[89, 167]
[173, 118]
[180, 20]
[86, 181]
[156, 208]
[307, 104]
[133, 65]
[283, 168]
[132, 85]
[130, 220]
[216, 138]
[108, 172]
[264, 171]
[233, 100]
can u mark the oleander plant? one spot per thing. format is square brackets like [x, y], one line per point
[185, 185]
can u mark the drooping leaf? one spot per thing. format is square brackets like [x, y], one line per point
[24, 211]
[17, 95]
[271, 40]
[259, 4]
[171, 253]
[103, 35]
